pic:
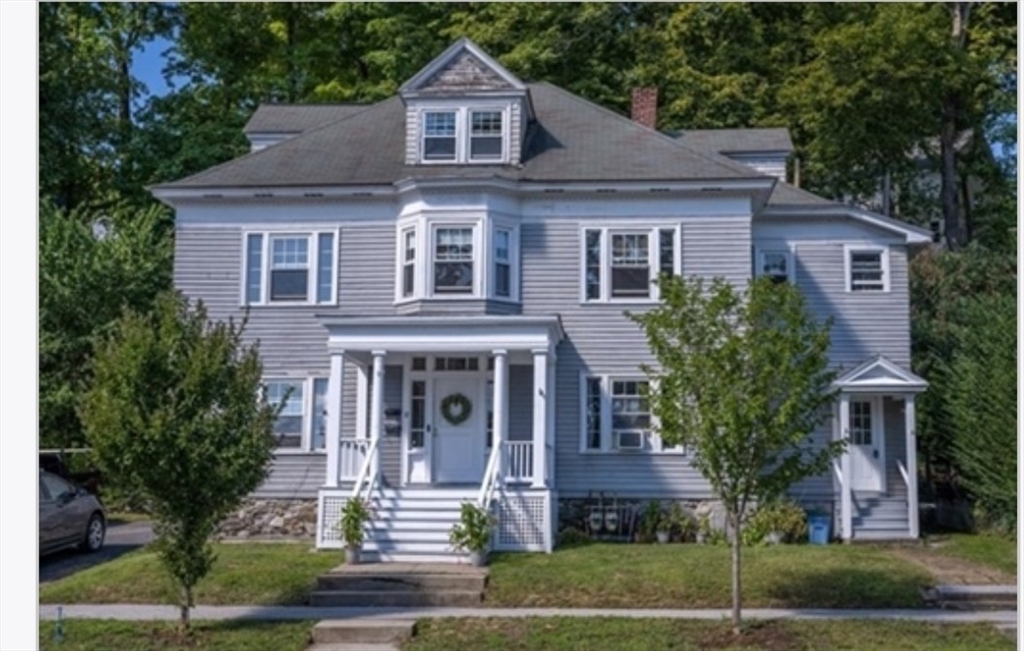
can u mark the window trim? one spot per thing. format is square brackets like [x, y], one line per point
[653, 232]
[653, 445]
[308, 405]
[463, 132]
[475, 239]
[761, 251]
[312, 236]
[849, 250]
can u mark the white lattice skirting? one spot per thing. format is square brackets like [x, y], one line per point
[524, 521]
[329, 510]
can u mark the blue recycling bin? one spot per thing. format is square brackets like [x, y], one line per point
[819, 529]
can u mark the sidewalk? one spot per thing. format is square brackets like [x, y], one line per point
[143, 612]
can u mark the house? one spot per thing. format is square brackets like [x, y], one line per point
[440, 279]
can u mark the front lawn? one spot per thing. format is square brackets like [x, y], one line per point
[249, 573]
[586, 634]
[698, 576]
[92, 634]
[991, 550]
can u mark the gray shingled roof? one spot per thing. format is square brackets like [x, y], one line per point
[296, 118]
[785, 194]
[571, 140]
[736, 141]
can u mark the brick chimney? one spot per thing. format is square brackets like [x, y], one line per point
[645, 106]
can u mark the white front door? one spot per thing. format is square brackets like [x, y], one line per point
[867, 445]
[458, 446]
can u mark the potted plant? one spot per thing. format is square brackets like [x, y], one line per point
[664, 528]
[473, 532]
[650, 521]
[681, 522]
[775, 522]
[354, 515]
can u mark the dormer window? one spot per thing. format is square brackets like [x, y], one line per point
[485, 135]
[473, 134]
[439, 135]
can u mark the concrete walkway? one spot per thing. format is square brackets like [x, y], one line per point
[145, 612]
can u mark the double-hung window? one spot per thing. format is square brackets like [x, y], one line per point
[485, 135]
[290, 268]
[439, 135]
[503, 263]
[453, 260]
[623, 264]
[408, 262]
[616, 416]
[302, 423]
[867, 269]
[465, 134]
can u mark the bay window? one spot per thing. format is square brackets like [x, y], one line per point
[456, 259]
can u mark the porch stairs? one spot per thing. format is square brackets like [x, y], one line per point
[413, 524]
[880, 518]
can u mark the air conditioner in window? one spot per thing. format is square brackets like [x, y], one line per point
[629, 440]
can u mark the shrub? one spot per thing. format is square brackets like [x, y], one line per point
[783, 517]
[473, 531]
[353, 516]
[571, 536]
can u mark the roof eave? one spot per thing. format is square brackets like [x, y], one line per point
[912, 234]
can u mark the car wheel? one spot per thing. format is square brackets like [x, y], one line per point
[94, 533]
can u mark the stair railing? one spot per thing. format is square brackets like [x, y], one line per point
[366, 474]
[491, 475]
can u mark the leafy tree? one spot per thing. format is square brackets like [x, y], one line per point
[86, 279]
[743, 379]
[176, 413]
[939, 279]
[982, 378]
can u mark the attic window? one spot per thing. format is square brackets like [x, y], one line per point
[485, 135]
[439, 135]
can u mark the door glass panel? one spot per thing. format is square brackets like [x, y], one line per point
[418, 422]
[860, 422]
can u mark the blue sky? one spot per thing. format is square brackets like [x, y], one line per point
[148, 65]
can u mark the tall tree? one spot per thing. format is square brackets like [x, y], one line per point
[743, 379]
[175, 413]
[92, 266]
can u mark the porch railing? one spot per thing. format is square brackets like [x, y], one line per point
[518, 461]
[351, 457]
[367, 475]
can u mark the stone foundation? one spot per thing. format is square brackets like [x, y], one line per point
[262, 518]
[574, 513]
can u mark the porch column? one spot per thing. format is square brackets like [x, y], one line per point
[847, 492]
[377, 405]
[500, 408]
[540, 416]
[551, 394]
[362, 391]
[333, 407]
[912, 507]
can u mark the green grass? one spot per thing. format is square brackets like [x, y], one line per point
[698, 576]
[90, 635]
[586, 634]
[985, 549]
[250, 573]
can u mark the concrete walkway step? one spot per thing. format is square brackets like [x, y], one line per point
[407, 582]
[973, 597]
[363, 631]
[396, 598]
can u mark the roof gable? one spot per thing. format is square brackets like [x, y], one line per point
[880, 374]
[463, 67]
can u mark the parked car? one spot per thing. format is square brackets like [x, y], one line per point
[68, 516]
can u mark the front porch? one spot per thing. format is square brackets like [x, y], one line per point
[876, 478]
[443, 410]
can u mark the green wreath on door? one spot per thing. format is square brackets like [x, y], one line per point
[456, 408]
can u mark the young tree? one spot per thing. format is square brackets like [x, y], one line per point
[176, 413]
[744, 380]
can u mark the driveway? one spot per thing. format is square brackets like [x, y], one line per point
[121, 539]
